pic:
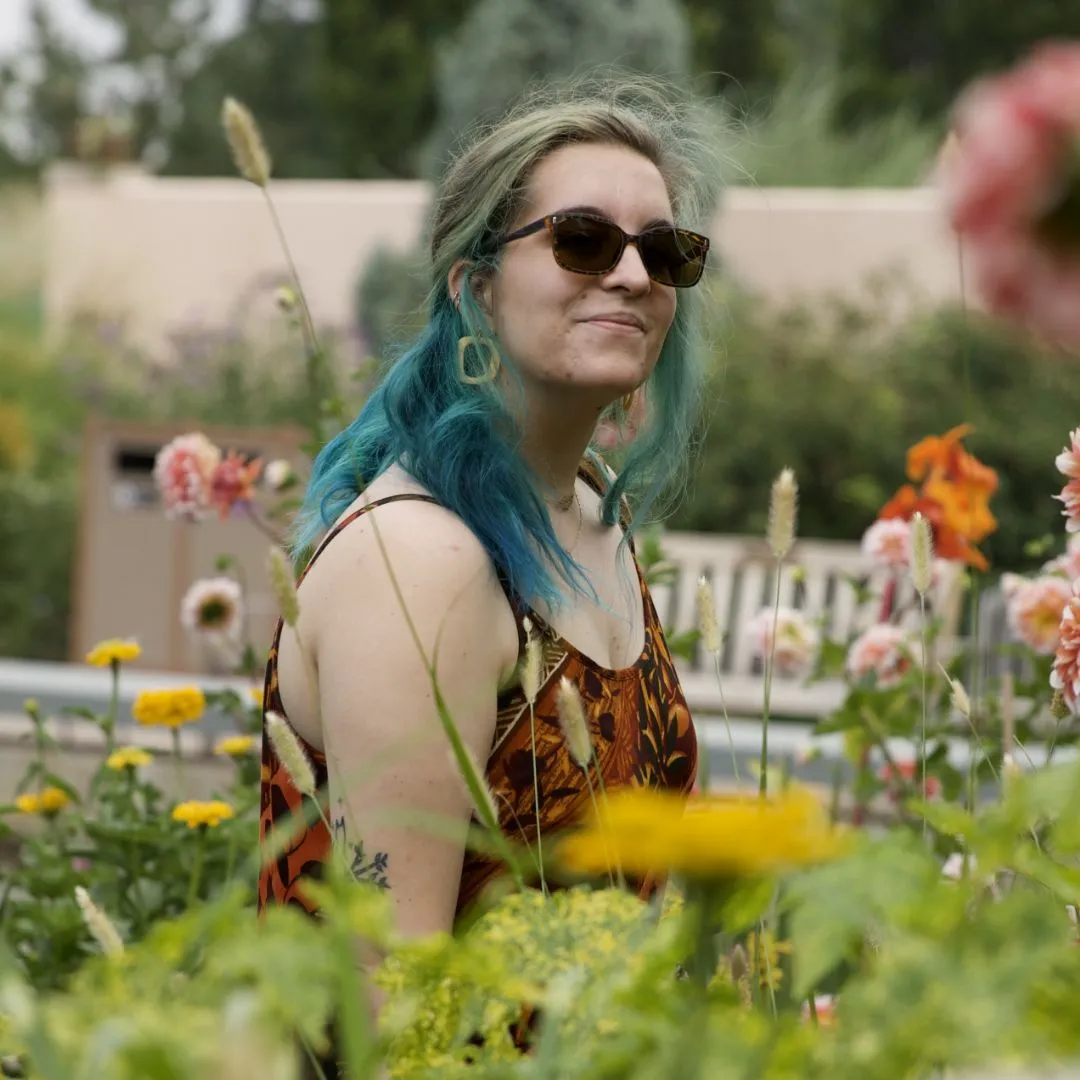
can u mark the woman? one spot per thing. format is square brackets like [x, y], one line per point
[562, 261]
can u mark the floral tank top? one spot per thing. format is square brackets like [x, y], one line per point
[638, 718]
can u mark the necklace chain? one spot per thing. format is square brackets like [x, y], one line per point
[563, 505]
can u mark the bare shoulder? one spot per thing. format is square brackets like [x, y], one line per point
[410, 545]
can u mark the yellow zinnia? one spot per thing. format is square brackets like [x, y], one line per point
[235, 745]
[50, 800]
[709, 838]
[195, 813]
[113, 651]
[169, 708]
[127, 757]
[256, 695]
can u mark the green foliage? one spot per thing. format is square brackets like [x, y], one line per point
[739, 46]
[838, 390]
[273, 66]
[505, 45]
[791, 140]
[377, 79]
[896, 56]
[120, 844]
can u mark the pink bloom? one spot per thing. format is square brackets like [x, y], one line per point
[182, 471]
[824, 1006]
[1066, 673]
[910, 772]
[1068, 564]
[1006, 175]
[796, 640]
[1068, 461]
[232, 482]
[885, 651]
[1070, 497]
[888, 543]
[1034, 607]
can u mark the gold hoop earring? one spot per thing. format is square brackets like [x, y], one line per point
[493, 360]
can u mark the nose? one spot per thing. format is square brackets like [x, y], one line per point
[629, 272]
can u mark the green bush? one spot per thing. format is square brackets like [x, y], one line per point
[833, 392]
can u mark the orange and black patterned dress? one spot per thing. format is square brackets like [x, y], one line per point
[638, 718]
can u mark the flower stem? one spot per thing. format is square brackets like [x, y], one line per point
[181, 786]
[114, 707]
[922, 731]
[196, 869]
[596, 811]
[536, 799]
[727, 719]
[763, 779]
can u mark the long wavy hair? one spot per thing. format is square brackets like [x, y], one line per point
[459, 440]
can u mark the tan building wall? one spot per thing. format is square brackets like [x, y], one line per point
[161, 252]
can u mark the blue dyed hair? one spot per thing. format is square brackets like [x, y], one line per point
[460, 440]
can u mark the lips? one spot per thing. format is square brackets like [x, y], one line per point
[631, 322]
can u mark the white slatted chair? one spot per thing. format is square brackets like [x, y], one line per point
[741, 574]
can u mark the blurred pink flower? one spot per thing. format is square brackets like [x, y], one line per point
[1067, 564]
[885, 651]
[796, 639]
[183, 470]
[888, 543]
[910, 773]
[1066, 673]
[1005, 180]
[233, 482]
[1034, 607]
[1068, 464]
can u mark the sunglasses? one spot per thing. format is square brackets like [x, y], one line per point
[587, 244]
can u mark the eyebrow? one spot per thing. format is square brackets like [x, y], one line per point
[664, 223]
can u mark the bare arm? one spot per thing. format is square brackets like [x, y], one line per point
[390, 766]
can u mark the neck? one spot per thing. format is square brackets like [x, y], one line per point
[553, 446]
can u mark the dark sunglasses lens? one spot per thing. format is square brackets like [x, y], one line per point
[673, 256]
[586, 246]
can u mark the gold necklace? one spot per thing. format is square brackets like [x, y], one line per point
[564, 503]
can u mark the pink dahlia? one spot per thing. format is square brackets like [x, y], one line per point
[1034, 607]
[1009, 181]
[887, 652]
[796, 639]
[183, 470]
[1065, 675]
[907, 773]
[1068, 464]
[232, 482]
[888, 543]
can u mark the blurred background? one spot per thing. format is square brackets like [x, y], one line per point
[138, 275]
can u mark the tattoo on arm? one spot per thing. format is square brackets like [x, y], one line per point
[371, 870]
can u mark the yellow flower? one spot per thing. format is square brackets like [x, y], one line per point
[169, 708]
[127, 757]
[48, 801]
[256, 695]
[194, 813]
[707, 838]
[235, 745]
[114, 650]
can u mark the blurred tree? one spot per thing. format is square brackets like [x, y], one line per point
[42, 91]
[377, 79]
[273, 65]
[740, 47]
[901, 55]
[504, 45]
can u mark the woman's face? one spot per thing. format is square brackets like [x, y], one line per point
[561, 328]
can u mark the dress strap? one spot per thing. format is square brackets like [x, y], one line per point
[350, 518]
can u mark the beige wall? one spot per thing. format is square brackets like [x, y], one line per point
[161, 251]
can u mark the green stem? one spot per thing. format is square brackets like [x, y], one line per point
[196, 869]
[603, 795]
[607, 852]
[114, 707]
[763, 779]
[178, 760]
[536, 799]
[922, 730]
[727, 719]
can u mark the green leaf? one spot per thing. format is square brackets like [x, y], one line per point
[947, 818]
